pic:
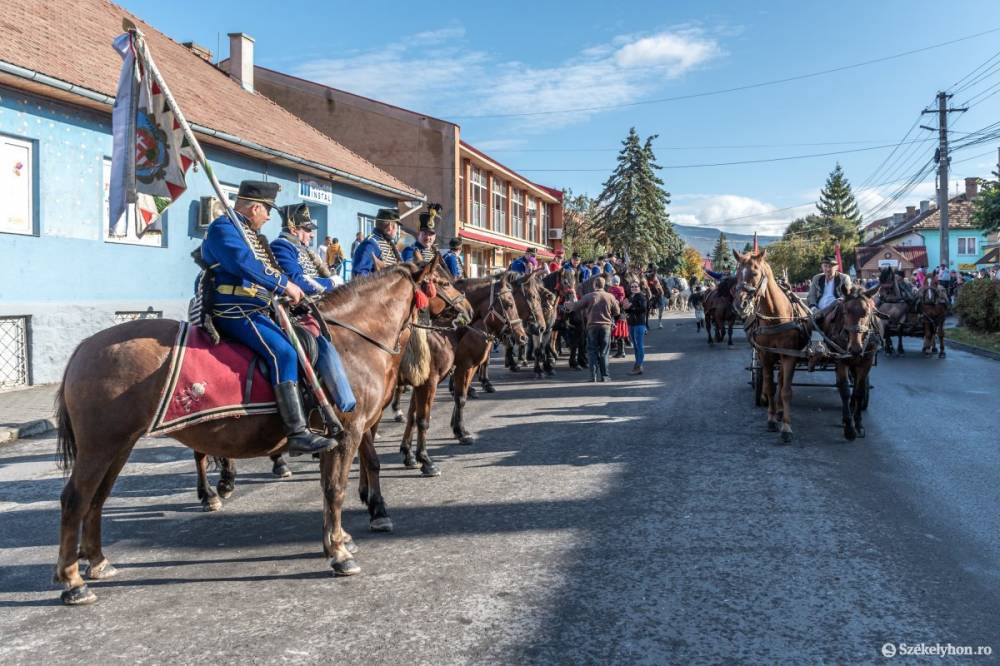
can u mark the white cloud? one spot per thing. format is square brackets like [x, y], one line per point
[442, 73]
[732, 213]
[874, 202]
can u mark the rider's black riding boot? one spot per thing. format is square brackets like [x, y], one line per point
[300, 438]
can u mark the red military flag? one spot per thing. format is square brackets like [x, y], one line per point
[840, 260]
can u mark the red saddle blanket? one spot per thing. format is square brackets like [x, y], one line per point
[210, 381]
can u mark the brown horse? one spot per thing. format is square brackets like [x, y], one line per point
[893, 304]
[774, 325]
[933, 310]
[719, 311]
[853, 326]
[447, 305]
[113, 383]
[457, 351]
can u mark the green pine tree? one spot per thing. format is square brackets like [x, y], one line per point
[836, 200]
[632, 213]
[722, 258]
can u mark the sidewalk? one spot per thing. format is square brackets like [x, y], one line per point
[27, 412]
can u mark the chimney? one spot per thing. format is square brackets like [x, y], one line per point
[925, 206]
[971, 188]
[911, 211]
[897, 218]
[241, 59]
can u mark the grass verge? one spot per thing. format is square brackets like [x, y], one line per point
[981, 339]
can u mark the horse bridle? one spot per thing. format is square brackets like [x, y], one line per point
[532, 319]
[756, 293]
[508, 323]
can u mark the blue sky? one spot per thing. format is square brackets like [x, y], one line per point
[462, 60]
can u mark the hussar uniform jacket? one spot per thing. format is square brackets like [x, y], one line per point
[379, 246]
[300, 264]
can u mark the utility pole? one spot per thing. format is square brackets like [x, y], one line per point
[943, 161]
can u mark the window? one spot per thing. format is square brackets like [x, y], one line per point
[517, 213]
[366, 224]
[499, 205]
[479, 262]
[152, 238]
[546, 221]
[533, 219]
[17, 187]
[14, 369]
[461, 194]
[477, 215]
[967, 245]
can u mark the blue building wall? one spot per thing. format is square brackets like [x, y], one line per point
[67, 262]
[932, 240]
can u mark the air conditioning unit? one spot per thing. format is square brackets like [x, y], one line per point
[555, 234]
[209, 209]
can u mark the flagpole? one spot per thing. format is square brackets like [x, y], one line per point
[282, 315]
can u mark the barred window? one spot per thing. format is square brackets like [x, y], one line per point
[14, 360]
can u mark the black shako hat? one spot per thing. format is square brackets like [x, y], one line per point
[428, 220]
[296, 216]
[259, 190]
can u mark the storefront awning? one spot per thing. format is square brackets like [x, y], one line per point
[488, 239]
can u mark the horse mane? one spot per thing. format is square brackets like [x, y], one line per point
[346, 293]
[727, 283]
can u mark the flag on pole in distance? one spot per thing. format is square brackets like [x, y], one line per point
[840, 260]
[151, 155]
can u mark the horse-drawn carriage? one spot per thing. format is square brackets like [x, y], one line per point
[827, 363]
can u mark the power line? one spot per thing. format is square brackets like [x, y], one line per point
[953, 90]
[723, 91]
[662, 148]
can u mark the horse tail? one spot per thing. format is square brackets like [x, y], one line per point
[66, 448]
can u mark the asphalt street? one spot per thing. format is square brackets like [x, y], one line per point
[648, 520]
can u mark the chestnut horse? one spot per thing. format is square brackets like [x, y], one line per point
[493, 312]
[446, 303]
[719, 311]
[933, 310]
[854, 327]
[774, 325]
[112, 387]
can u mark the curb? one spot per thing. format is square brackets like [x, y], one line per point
[24, 430]
[978, 351]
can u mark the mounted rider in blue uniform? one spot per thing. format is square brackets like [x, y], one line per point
[296, 258]
[380, 246]
[453, 259]
[423, 249]
[526, 263]
[247, 277]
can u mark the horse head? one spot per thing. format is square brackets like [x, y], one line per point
[860, 317]
[504, 304]
[447, 301]
[752, 276]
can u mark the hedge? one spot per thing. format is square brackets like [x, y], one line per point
[978, 304]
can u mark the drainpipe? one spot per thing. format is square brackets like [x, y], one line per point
[101, 98]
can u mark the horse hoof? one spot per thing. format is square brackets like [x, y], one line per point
[398, 417]
[281, 470]
[210, 504]
[861, 432]
[472, 395]
[345, 568]
[78, 596]
[941, 355]
[538, 375]
[383, 524]
[430, 470]
[786, 437]
[102, 571]
[466, 439]
[351, 546]
[225, 490]
[730, 343]
[410, 461]
[550, 373]
[489, 388]
[772, 426]
[850, 434]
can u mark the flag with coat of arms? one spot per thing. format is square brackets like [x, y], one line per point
[151, 154]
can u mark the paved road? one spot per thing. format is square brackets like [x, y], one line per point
[642, 521]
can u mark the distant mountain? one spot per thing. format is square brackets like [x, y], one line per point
[703, 238]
